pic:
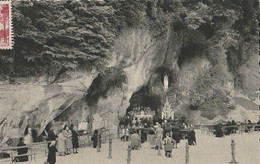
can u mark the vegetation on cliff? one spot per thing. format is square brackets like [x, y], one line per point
[53, 38]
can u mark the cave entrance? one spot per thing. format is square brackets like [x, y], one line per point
[188, 53]
[145, 101]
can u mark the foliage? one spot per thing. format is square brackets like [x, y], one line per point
[52, 38]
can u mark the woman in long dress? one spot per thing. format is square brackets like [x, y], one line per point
[52, 152]
[68, 141]
[61, 143]
[75, 139]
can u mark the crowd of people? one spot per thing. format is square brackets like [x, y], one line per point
[65, 142]
[167, 134]
[231, 127]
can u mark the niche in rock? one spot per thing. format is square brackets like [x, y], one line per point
[162, 71]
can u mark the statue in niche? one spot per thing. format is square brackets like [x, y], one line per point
[166, 82]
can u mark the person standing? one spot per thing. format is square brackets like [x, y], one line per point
[176, 134]
[52, 152]
[68, 141]
[193, 137]
[61, 143]
[75, 139]
[159, 137]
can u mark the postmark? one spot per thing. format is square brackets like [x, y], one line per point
[6, 33]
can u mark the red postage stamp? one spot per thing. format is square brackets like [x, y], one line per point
[6, 37]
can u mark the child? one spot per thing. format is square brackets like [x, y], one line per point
[95, 138]
[52, 153]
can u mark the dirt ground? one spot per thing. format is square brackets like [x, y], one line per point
[209, 150]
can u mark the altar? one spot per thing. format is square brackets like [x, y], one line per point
[144, 116]
[143, 112]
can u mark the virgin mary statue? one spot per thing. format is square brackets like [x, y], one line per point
[166, 82]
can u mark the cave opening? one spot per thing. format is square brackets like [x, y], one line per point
[144, 99]
[188, 53]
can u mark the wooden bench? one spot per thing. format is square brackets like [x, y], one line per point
[31, 151]
[14, 159]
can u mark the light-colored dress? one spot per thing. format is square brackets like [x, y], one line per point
[168, 144]
[61, 143]
[68, 141]
[28, 139]
[135, 140]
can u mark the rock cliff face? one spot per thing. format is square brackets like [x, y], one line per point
[74, 59]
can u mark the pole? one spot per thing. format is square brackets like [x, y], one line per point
[110, 148]
[187, 154]
[129, 154]
[159, 145]
[98, 142]
[233, 160]
[118, 135]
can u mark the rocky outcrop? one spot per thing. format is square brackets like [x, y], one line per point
[98, 55]
[38, 103]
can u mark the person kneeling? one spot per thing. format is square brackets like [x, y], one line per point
[168, 145]
[135, 141]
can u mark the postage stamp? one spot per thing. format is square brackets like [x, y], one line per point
[6, 35]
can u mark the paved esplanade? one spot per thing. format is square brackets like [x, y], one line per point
[209, 150]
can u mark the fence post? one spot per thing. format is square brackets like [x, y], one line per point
[187, 154]
[98, 143]
[110, 148]
[129, 154]
[159, 145]
[125, 135]
[233, 160]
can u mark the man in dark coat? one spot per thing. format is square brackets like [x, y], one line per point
[176, 134]
[22, 151]
[75, 139]
[190, 141]
[52, 153]
[193, 137]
